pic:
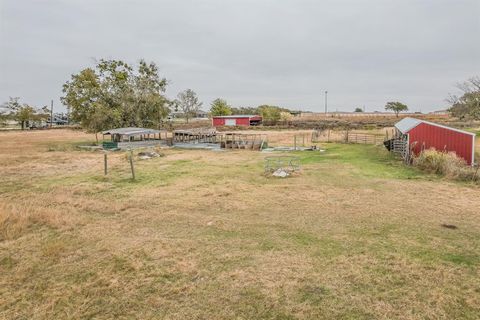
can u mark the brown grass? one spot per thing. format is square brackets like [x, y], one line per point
[17, 219]
[204, 235]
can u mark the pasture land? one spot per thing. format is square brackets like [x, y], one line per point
[205, 235]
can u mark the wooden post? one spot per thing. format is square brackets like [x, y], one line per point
[131, 165]
[303, 140]
[295, 142]
[105, 167]
[51, 115]
[475, 174]
[328, 137]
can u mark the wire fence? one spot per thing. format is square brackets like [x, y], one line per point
[346, 136]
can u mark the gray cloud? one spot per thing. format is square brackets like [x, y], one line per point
[285, 52]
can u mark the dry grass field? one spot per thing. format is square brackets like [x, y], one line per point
[205, 235]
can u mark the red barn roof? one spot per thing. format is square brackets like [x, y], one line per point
[407, 124]
[237, 116]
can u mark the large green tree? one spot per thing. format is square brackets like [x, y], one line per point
[467, 106]
[113, 94]
[188, 102]
[24, 113]
[271, 113]
[220, 107]
[396, 107]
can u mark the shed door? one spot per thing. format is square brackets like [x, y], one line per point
[230, 122]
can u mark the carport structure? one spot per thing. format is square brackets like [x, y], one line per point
[132, 137]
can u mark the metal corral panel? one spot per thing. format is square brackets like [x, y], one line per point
[428, 135]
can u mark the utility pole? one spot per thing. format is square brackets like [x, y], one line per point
[326, 106]
[51, 114]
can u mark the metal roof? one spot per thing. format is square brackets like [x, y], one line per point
[238, 116]
[407, 124]
[131, 131]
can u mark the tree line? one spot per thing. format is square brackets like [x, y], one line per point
[220, 107]
[25, 114]
[116, 94]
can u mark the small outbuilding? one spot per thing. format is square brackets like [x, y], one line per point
[236, 120]
[420, 135]
[123, 138]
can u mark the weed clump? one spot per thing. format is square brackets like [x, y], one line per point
[447, 164]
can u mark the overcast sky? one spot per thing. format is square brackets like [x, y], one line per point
[250, 52]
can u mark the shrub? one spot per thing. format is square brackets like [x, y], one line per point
[447, 164]
[285, 116]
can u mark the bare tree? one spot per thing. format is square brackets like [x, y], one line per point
[188, 102]
[468, 104]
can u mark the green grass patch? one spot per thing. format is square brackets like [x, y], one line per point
[314, 294]
[7, 262]
[69, 146]
[365, 160]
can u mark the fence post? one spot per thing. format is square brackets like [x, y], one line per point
[295, 142]
[105, 167]
[475, 174]
[131, 165]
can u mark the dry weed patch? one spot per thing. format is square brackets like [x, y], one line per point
[16, 219]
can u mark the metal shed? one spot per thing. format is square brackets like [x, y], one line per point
[420, 135]
[236, 120]
[133, 137]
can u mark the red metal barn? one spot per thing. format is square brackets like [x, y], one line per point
[422, 135]
[236, 120]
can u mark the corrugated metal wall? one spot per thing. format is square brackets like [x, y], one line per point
[218, 122]
[429, 136]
